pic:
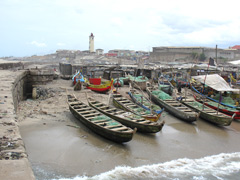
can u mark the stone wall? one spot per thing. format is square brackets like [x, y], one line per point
[14, 88]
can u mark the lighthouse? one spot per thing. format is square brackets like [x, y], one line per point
[91, 43]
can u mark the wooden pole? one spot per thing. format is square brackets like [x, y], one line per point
[216, 53]
[219, 101]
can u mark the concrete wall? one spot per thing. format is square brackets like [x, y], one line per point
[14, 164]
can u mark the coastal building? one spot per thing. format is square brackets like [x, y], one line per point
[91, 43]
[191, 54]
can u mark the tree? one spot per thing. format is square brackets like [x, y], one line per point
[202, 57]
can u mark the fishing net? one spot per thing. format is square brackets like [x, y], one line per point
[225, 100]
[197, 105]
[139, 78]
[161, 95]
[220, 106]
[141, 110]
[109, 122]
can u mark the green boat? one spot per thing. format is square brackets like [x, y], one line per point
[171, 105]
[98, 122]
[127, 118]
[207, 113]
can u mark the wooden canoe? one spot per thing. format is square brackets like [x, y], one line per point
[98, 122]
[172, 106]
[123, 103]
[234, 113]
[127, 118]
[102, 88]
[142, 101]
[207, 113]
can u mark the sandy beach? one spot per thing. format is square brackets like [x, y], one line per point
[58, 145]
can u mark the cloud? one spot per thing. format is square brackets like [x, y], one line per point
[35, 43]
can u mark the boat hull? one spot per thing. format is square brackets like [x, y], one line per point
[116, 136]
[186, 116]
[209, 114]
[131, 120]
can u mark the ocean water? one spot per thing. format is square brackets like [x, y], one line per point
[220, 167]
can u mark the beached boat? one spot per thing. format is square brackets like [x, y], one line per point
[95, 81]
[98, 122]
[207, 113]
[127, 118]
[142, 101]
[171, 105]
[123, 103]
[139, 82]
[232, 112]
[215, 82]
[103, 87]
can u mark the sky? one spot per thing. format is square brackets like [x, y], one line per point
[38, 27]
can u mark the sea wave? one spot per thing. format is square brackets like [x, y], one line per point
[222, 166]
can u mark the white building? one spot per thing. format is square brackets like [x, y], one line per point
[91, 43]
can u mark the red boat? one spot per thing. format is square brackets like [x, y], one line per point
[103, 87]
[95, 81]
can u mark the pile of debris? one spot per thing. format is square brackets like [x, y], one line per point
[45, 93]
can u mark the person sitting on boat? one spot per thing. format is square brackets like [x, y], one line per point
[237, 103]
[210, 92]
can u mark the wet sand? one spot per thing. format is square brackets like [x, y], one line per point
[58, 145]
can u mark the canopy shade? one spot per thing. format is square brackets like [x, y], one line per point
[214, 81]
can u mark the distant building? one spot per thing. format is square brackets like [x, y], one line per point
[67, 54]
[91, 43]
[99, 51]
[189, 54]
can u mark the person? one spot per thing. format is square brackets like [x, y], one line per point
[179, 87]
[237, 103]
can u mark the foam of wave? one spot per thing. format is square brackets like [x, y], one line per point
[210, 167]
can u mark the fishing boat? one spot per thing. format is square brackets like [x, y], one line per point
[207, 113]
[127, 118]
[232, 112]
[171, 105]
[98, 122]
[102, 88]
[215, 82]
[123, 103]
[95, 81]
[139, 82]
[142, 101]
